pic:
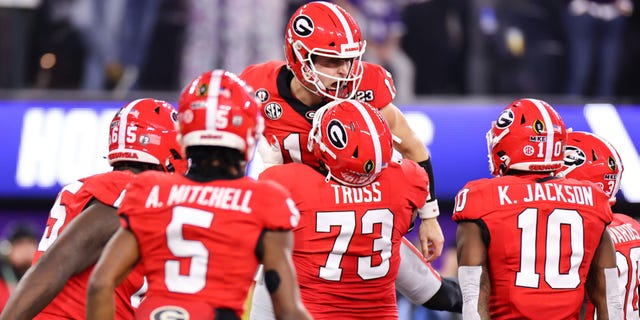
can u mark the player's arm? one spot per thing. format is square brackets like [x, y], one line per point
[432, 291]
[472, 271]
[279, 275]
[78, 247]
[602, 281]
[410, 146]
[119, 257]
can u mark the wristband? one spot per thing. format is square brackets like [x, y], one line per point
[426, 165]
[429, 210]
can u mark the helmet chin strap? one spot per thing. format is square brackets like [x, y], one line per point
[328, 177]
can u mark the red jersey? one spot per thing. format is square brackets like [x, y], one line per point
[625, 233]
[347, 245]
[70, 202]
[543, 233]
[197, 241]
[288, 120]
[4, 293]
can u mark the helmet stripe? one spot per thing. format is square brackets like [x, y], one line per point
[375, 136]
[212, 99]
[343, 20]
[548, 124]
[122, 127]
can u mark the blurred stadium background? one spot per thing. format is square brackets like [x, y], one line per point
[67, 65]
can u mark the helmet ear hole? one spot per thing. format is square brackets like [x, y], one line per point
[355, 153]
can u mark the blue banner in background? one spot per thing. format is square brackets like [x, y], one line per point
[50, 143]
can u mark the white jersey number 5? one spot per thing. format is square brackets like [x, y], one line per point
[195, 280]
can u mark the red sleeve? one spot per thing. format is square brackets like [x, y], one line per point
[134, 199]
[377, 86]
[107, 187]
[469, 202]
[418, 180]
[280, 211]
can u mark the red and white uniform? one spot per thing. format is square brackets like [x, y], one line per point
[543, 234]
[71, 201]
[625, 233]
[347, 245]
[288, 121]
[197, 241]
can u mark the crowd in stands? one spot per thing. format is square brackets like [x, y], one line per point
[578, 48]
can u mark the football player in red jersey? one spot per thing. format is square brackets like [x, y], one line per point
[142, 136]
[361, 204]
[200, 236]
[323, 49]
[589, 157]
[529, 243]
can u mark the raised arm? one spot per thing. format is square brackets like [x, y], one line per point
[279, 275]
[78, 247]
[472, 271]
[410, 146]
[602, 281]
[119, 257]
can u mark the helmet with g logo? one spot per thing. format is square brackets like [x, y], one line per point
[144, 131]
[322, 28]
[353, 140]
[528, 135]
[589, 157]
[219, 109]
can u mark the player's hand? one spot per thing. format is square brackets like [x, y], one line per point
[270, 152]
[431, 238]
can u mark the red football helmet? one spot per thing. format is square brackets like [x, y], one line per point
[353, 140]
[529, 135]
[589, 157]
[321, 28]
[219, 109]
[144, 130]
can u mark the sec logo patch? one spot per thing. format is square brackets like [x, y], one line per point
[273, 111]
